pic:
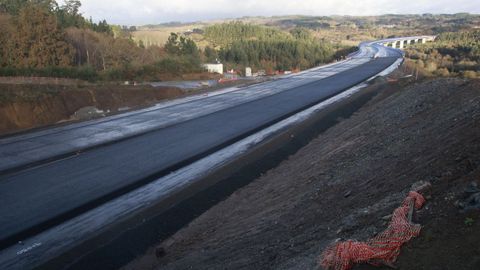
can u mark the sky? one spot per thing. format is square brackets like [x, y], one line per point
[141, 12]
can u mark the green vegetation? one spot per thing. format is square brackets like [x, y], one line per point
[38, 47]
[226, 34]
[298, 42]
[277, 55]
[266, 48]
[83, 73]
[352, 29]
[67, 15]
[41, 38]
[469, 221]
[345, 30]
[452, 54]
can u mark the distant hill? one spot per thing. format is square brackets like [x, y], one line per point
[347, 30]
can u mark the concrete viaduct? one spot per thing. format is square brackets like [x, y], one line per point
[402, 42]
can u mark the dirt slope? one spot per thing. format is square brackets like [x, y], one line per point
[24, 106]
[344, 182]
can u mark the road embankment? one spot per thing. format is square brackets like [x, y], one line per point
[26, 106]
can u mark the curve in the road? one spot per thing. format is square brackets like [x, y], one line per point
[32, 149]
[46, 195]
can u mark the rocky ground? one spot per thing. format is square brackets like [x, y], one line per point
[346, 182]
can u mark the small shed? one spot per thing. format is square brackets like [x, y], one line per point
[214, 68]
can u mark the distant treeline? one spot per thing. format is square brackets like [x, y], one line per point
[226, 34]
[426, 23]
[66, 15]
[278, 55]
[452, 54]
[267, 48]
[43, 38]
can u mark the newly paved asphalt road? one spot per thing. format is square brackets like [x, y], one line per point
[34, 198]
[37, 147]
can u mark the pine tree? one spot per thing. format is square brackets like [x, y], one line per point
[38, 41]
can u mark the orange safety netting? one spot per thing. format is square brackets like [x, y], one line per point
[383, 248]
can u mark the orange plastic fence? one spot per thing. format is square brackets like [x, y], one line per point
[383, 248]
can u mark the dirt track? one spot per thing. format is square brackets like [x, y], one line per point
[343, 183]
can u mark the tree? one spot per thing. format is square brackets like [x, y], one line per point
[12, 6]
[188, 47]
[176, 45]
[227, 33]
[72, 7]
[38, 42]
[301, 33]
[68, 15]
[103, 27]
[48, 5]
[172, 46]
[284, 54]
[210, 54]
[6, 28]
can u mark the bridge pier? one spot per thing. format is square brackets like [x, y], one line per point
[402, 43]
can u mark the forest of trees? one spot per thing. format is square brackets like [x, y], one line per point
[452, 54]
[41, 38]
[277, 55]
[243, 45]
[223, 35]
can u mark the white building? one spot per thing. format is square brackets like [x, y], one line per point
[248, 72]
[214, 68]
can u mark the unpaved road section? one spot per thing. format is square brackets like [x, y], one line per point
[345, 183]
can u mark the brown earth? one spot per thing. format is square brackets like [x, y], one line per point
[189, 76]
[345, 182]
[67, 81]
[41, 80]
[31, 102]
[24, 106]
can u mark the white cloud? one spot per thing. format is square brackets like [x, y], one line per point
[157, 11]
